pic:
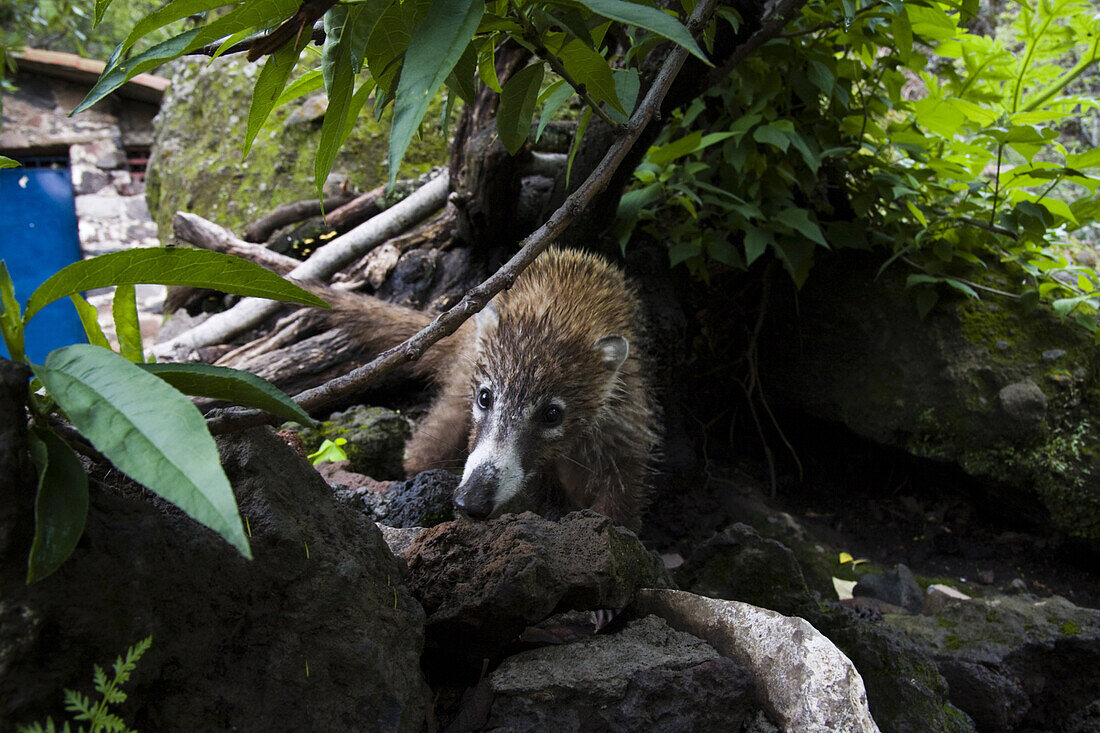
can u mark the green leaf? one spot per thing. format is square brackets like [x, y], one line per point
[486, 65]
[664, 154]
[578, 136]
[926, 300]
[231, 385]
[330, 451]
[60, 506]
[797, 256]
[756, 242]
[652, 19]
[270, 85]
[434, 49]
[591, 69]
[127, 327]
[517, 106]
[800, 221]
[168, 266]
[304, 84]
[556, 95]
[339, 81]
[100, 9]
[11, 323]
[89, 319]
[771, 135]
[463, 79]
[6, 162]
[627, 85]
[120, 70]
[148, 430]
[171, 12]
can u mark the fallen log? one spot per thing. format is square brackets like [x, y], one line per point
[250, 312]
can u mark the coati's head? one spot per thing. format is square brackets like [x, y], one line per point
[540, 382]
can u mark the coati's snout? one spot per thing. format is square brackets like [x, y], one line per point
[474, 496]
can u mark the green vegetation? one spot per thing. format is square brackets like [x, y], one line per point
[133, 413]
[98, 714]
[891, 125]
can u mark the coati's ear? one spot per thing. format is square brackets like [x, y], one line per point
[613, 350]
[487, 319]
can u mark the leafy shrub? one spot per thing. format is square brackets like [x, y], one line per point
[134, 413]
[890, 124]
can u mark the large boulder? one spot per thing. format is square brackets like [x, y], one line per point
[318, 632]
[1008, 396]
[1014, 662]
[196, 162]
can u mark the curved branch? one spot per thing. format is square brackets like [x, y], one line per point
[448, 322]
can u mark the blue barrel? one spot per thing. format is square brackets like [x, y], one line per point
[38, 236]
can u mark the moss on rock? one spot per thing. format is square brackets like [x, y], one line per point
[196, 162]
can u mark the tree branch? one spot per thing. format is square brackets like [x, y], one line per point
[203, 233]
[259, 230]
[448, 322]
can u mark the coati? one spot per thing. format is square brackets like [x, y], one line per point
[546, 388]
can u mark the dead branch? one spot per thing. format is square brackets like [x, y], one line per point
[359, 209]
[299, 24]
[449, 321]
[208, 235]
[322, 264]
[260, 230]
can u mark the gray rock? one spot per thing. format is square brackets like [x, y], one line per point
[647, 677]
[856, 353]
[482, 583]
[425, 500]
[738, 564]
[804, 682]
[1023, 401]
[318, 632]
[897, 587]
[1014, 662]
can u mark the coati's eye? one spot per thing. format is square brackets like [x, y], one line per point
[484, 398]
[552, 416]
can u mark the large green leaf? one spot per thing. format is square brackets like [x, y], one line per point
[553, 97]
[147, 429]
[517, 106]
[652, 19]
[339, 82]
[304, 84]
[100, 9]
[11, 324]
[61, 505]
[232, 385]
[168, 266]
[434, 48]
[6, 162]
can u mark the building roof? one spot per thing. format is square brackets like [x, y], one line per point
[69, 66]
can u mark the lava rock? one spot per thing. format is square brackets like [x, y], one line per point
[423, 501]
[897, 587]
[482, 583]
[318, 632]
[738, 564]
[646, 677]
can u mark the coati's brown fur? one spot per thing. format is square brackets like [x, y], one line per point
[546, 389]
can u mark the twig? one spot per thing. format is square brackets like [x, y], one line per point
[448, 322]
[317, 36]
[308, 14]
[208, 235]
[262, 228]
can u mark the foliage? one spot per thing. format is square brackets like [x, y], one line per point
[890, 124]
[134, 413]
[408, 50]
[97, 714]
[329, 450]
